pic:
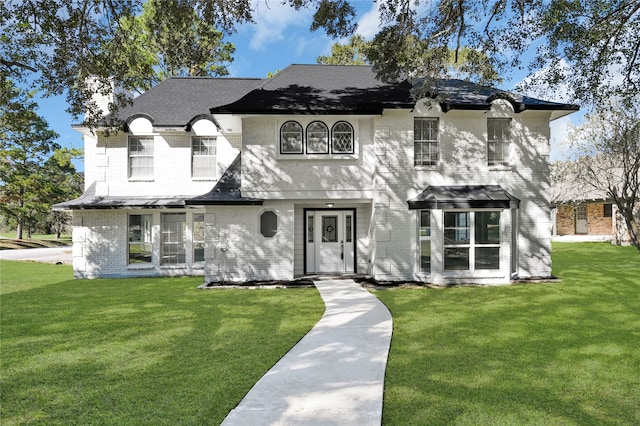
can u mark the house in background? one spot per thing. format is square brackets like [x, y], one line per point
[319, 170]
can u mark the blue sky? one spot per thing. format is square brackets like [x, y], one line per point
[279, 37]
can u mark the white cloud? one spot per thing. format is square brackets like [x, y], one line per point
[272, 21]
[369, 23]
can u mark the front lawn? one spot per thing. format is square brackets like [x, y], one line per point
[137, 351]
[538, 354]
[158, 351]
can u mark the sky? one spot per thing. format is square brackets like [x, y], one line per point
[280, 37]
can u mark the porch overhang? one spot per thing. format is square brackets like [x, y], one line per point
[464, 197]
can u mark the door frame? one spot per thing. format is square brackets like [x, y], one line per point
[353, 210]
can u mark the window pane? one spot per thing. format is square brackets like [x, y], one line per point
[291, 138]
[342, 138]
[203, 161]
[317, 138]
[268, 224]
[499, 141]
[457, 228]
[172, 244]
[140, 156]
[425, 256]
[329, 229]
[456, 259]
[140, 238]
[310, 229]
[487, 258]
[425, 137]
[348, 228]
[425, 223]
[198, 237]
[487, 229]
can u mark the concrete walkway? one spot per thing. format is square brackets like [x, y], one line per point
[334, 375]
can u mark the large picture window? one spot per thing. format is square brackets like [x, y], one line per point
[203, 157]
[342, 138]
[426, 144]
[291, 138]
[139, 238]
[173, 242]
[317, 138]
[140, 157]
[471, 240]
[498, 141]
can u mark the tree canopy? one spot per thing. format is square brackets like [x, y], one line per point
[590, 48]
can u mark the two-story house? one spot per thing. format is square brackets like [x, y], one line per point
[319, 170]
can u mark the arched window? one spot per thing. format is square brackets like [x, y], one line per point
[291, 138]
[342, 138]
[317, 138]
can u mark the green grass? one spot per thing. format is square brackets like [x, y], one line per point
[158, 351]
[561, 354]
[137, 351]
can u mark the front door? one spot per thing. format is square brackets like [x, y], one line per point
[330, 241]
[581, 219]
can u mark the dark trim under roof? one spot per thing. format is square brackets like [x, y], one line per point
[89, 201]
[464, 197]
[227, 191]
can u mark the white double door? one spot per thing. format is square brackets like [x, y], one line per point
[330, 241]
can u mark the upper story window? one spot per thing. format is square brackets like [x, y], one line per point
[426, 145]
[317, 138]
[342, 138]
[203, 157]
[291, 138]
[498, 141]
[140, 156]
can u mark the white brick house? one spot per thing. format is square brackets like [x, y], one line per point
[319, 170]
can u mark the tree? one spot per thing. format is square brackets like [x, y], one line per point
[577, 44]
[57, 45]
[25, 142]
[351, 53]
[580, 45]
[168, 39]
[609, 161]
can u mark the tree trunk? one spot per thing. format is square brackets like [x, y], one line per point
[19, 230]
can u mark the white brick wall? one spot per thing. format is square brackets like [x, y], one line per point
[377, 180]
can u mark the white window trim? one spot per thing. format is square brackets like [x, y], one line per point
[421, 238]
[472, 244]
[214, 172]
[129, 156]
[427, 141]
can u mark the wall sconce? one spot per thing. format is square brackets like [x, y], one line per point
[330, 205]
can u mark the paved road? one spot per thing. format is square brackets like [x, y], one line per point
[44, 255]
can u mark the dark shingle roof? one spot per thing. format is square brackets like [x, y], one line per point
[344, 89]
[176, 101]
[311, 89]
[227, 190]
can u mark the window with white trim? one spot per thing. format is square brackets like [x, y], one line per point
[203, 157]
[317, 138]
[471, 240]
[140, 156]
[139, 247]
[173, 238]
[342, 138]
[198, 237]
[498, 141]
[426, 145]
[424, 240]
[291, 138]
